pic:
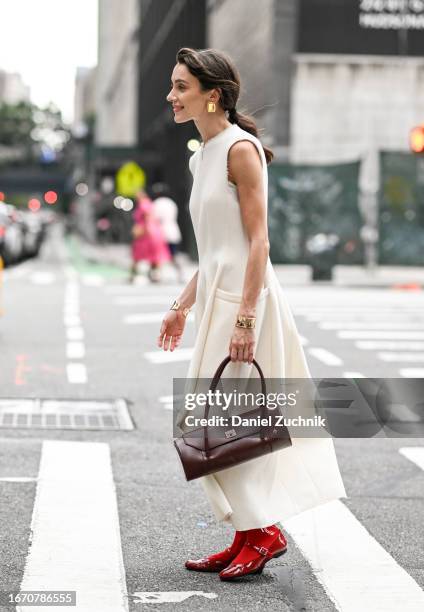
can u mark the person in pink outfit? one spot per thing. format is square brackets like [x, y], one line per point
[148, 240]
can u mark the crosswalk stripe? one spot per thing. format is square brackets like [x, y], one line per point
[355, 570]
[370, 325]
[412, 372]
[411, 357]
[71, 309]
[92, 280]
[325, 356]
[76, 373]
[342, 309]
[74, 333]
[76, 542]
[72, 321]
[140, 288]
[134, 300]
[18, 479]
[167, 401]
[390, 345]
[364, 316]
[149, 317]
[155, 597]
[353, 375]
[380, 335]
[18, 272]
[414, 454]
[75, 350]
[162, 356]
[143, 317]
[42, 278]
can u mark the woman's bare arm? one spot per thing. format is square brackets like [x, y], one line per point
[245, 170]
[188, 296]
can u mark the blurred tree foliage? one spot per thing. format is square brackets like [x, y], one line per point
[16, 123]
[27, 126]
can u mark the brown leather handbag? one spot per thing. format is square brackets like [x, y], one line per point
[203, 454]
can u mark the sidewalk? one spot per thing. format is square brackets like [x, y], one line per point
[395, 277]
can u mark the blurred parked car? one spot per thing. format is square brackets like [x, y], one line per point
[33, 230]
[13, 239]
[21, 233]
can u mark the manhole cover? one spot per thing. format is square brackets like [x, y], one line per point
[65, 414]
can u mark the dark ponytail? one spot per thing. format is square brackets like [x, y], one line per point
[215, 69]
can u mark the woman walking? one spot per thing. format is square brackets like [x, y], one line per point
[236, 283]
[148, 240]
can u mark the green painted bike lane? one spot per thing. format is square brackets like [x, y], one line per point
[84, 265]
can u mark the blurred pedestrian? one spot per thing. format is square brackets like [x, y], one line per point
[166, 211]
[148, 240]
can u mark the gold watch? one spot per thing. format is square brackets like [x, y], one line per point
[177, 306]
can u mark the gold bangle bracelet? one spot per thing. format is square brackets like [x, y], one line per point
[177, 306]
[245, 322]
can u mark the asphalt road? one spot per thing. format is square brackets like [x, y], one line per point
[377, 531]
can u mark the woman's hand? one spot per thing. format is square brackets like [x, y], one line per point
[171, 329]
[242, 345]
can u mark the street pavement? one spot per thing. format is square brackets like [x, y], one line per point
[108, 513]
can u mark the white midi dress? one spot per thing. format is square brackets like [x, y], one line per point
[274, 487]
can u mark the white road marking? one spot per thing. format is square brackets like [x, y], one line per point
[166, 398]
[18, 272]
[150, 317]
[75, 350]
[71, 310]
[344, 555]
[75, 333]
[92, 280]
[22, 479]
[414, 454]
[412, 372]
[369, 325]
[72, 286]
[303, 341]
[162, 356]
[77, 373]
[42, 278]
[139, 288]
[75, 528]
[412, 357]
[390, 345]
[353, 375]
[133, 300]
[155, 597]
[167, 401]
[342, 309]
[145, 317]
[71, 305]
[325, 356]
[380, 335]
[72, 321]
[71, 273]
[365, 316]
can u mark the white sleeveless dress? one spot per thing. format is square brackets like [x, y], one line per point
[272, 488]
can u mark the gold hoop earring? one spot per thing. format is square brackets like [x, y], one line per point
[211, 107]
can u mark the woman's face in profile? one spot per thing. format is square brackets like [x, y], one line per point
[186, 97]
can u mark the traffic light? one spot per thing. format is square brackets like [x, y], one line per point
[416, 139]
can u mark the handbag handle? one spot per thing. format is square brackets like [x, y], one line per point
[213, 386]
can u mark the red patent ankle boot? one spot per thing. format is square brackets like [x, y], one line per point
[261, 545]
[217, 562]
